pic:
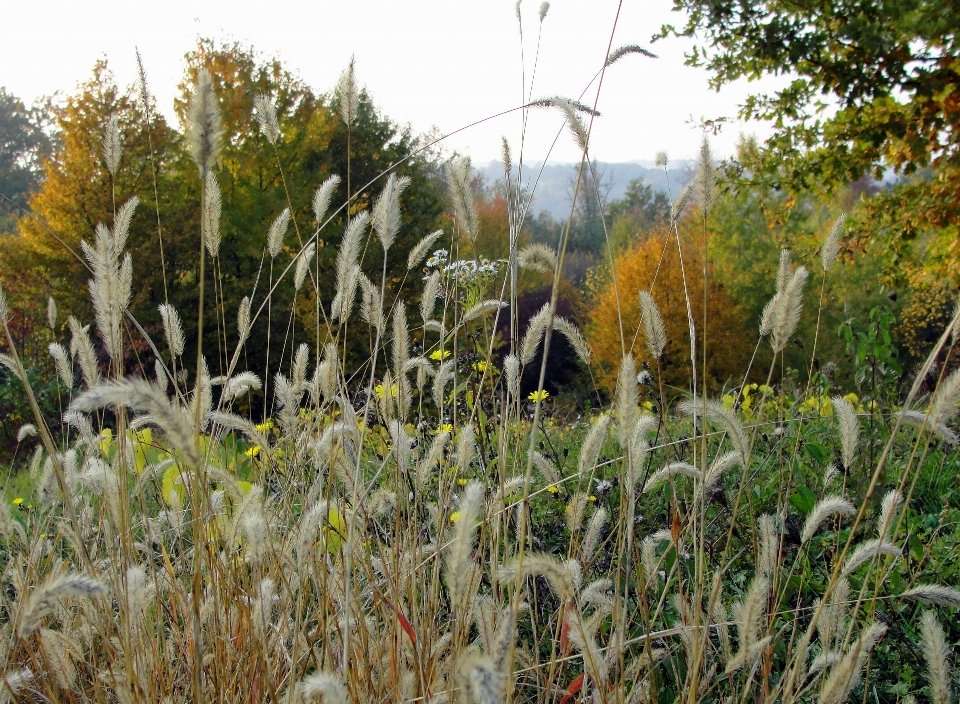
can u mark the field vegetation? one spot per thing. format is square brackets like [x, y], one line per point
[299, 409]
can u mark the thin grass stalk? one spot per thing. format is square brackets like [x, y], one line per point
[543, 366]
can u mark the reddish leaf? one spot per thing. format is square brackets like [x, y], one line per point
[575, 686]
[405, 625]
[565, 629]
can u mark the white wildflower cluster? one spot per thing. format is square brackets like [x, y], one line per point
[463, 268]
[439, 258]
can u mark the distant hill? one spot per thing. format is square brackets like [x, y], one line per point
[555, 187]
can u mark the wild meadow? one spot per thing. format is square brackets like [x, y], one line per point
[403, 504]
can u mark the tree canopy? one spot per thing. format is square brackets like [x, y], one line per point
[22, 144]
[257, 179]
[871, 87]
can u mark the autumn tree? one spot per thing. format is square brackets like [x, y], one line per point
[257, 180]
[654, 265]
[870, 88]
[77, 192]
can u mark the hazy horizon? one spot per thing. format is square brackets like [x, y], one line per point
[425, 63]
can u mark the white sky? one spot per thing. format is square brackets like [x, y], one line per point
[443, 63]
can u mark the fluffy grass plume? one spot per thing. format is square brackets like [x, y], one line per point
[626, 50]
[212, 210]
[592, 445]
[460, 567]
[936, 652]
[782, 314]
[825, 509]
[278, 229]
[653, 328]
[204, 132]
[323, 684]
[303, 265]
[537, 257]
[831, 245]
[942, 409]
[172, 328]
[420, 251]
[867, 551]
[848, 427]
[112, 145]
[321, 199]
[934, 594]
[348, 94]
[385, 217]
[458, 175]
[49, 595]
[266, 113]
[140, 395]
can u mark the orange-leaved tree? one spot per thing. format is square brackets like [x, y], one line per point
[654, 265]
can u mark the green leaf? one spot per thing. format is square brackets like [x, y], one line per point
[804, 500]
[816, 452]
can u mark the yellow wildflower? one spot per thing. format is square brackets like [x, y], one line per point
[444, 428]
[480, 366]
[553, 490]
[253, 451]
[17, 501]
[439, 355]
[455, 516]
[265, 426]
[539, 395]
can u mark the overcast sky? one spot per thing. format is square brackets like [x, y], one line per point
[443, 63]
